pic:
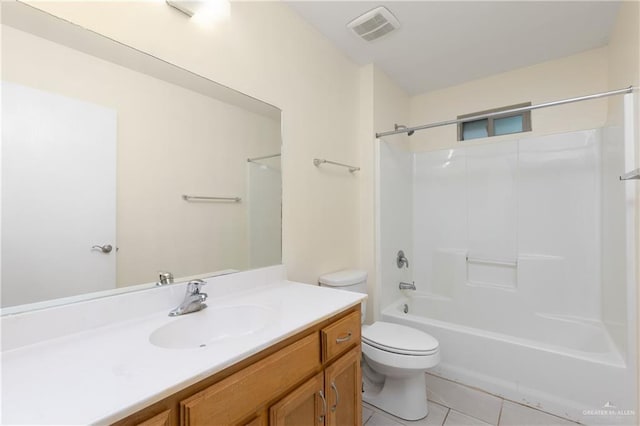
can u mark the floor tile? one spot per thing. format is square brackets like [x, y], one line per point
[436, 416]
[463, 399]
[379, 419]
[519, 415]
[458, 419]
[366, 413]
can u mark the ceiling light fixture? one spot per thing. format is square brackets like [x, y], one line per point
[203, 10]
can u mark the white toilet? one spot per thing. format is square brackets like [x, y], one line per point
[396, 357]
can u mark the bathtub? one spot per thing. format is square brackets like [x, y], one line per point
[545, 361]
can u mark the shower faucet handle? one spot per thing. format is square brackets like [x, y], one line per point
[401, 260]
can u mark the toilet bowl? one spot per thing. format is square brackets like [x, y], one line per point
[395, 357]
[401, 355]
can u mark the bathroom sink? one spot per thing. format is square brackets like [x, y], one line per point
[211, 325]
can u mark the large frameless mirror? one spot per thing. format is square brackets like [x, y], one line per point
[120, 169]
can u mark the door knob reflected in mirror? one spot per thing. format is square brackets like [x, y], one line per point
[105, 248]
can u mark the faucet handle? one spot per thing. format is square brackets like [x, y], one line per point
[194, 287]
[401, 260]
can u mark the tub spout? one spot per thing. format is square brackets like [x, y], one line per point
[407, 286]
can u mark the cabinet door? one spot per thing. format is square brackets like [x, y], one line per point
[343, 384]
[235, 398]
[259, 420]
[305, 406]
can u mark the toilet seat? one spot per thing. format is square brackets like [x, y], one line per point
[399, 339]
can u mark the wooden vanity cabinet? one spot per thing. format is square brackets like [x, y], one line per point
[312, 378]
[330, 398]
[233, 399]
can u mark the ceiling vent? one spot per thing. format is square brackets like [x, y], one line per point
[374, 24]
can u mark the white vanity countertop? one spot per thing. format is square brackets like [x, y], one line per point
[104, 374]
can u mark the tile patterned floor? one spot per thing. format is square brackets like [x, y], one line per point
[451, 404]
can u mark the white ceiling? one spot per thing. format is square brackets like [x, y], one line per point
[444, 43]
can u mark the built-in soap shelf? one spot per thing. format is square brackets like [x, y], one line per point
[512, 263]
[491, 272]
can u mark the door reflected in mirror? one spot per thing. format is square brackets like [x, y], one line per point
[97, 153]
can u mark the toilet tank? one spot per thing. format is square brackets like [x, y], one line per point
[350, 280]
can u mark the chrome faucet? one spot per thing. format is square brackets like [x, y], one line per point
[193, 300]
[407, 286]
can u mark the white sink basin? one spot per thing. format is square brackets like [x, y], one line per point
[202, 328]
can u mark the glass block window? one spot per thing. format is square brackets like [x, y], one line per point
[495, 125]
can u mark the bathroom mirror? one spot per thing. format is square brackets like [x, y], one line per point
[118, 167]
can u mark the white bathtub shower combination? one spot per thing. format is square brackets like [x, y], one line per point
[519, 254]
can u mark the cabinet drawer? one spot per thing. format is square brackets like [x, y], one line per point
[239, 395]
[341, 336]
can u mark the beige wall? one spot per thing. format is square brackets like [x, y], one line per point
[624, 55]
[391, 106]
[568, 77]
[367, 235]
[268, 52]
[170, 141]
[382, 104]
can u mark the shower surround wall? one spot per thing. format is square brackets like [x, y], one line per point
[518, 256]
[395, 218]
[518, 220]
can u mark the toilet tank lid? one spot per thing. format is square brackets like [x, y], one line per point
[343, 278]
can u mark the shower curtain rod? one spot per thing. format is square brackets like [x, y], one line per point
[509, 111]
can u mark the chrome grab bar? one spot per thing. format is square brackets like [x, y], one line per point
[199, 198]
[318, 161]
